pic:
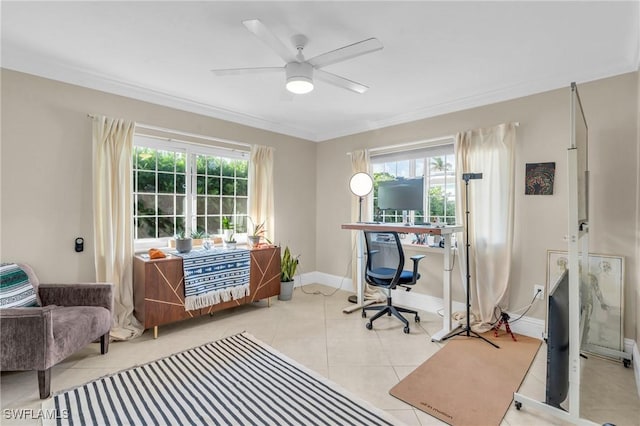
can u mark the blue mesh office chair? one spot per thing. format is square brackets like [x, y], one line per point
[385, 268]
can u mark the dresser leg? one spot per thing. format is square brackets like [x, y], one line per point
[155, 331]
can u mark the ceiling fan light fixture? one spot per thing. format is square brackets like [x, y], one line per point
[299, 85]
[299, 77]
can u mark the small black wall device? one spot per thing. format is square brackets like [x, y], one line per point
[79, 244]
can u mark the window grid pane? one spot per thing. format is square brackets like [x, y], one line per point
[221, 182]
[440, 188]
[161, 194]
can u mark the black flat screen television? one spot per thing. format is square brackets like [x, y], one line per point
[558, 342]
[401, 194]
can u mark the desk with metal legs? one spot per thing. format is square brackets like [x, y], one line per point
[445, 232]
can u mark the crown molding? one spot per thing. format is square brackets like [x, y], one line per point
[29, 64]
[489, 97]
[92, 80]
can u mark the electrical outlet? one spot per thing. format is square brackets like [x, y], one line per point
[538, 291]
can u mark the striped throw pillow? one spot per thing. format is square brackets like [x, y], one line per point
[15, 288]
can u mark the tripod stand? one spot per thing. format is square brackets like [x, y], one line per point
[467, 329]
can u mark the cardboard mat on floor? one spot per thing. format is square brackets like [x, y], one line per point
[468, 381]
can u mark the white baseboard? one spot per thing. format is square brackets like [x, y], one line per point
[531, 327]
[423, 302]
[329, 280]
[636, 362]
[527, 326]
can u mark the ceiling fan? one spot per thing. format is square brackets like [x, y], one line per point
[299, 71]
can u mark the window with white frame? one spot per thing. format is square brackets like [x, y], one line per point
[434, 161]
[183, 187]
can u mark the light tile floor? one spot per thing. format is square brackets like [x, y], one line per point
[313, 330]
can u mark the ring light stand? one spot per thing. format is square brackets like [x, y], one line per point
[467, 329]
[361, 185]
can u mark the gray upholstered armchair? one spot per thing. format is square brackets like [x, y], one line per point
[70, 316]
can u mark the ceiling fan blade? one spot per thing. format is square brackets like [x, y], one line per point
[265, 34]
[236, 71]
[336, 80]
[347, 52]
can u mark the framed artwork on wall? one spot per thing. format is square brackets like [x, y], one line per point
[601, 299]
[539, 178]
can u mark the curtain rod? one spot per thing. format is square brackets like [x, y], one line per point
[428, 141]
[187, 134]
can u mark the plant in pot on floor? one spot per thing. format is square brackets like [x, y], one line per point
[288, 266]
[184, 242]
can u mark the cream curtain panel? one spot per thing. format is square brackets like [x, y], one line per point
[113, 217]
[489, 151]
[261, 188]
[360, 162]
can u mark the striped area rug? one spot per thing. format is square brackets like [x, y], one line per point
[237, 380]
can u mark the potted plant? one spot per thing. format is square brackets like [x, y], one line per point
[288, 266]
[227, 228]
[184, 243]
[198, 237]
[229, 241]
[258, 233]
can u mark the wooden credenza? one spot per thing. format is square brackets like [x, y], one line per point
[158, 287]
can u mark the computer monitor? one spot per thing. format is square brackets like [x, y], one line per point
[401, 194]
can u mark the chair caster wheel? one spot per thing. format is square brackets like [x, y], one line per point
[369, 326]
[417, 318]
[364, 314]
[406, 330]
[518, 405]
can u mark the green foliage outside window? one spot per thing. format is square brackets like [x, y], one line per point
[161, 192]
[441, 205]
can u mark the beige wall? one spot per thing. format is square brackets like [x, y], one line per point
[46, 178]
[46, 172]
[540, 221]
